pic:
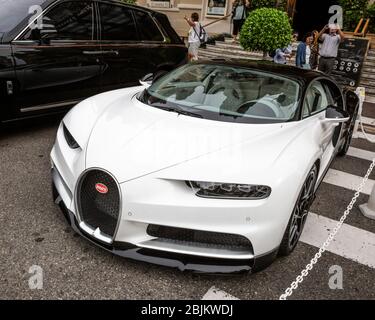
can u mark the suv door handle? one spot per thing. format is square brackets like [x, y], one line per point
[101, 52]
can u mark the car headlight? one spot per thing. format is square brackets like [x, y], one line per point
[69, 138]
[230, 190]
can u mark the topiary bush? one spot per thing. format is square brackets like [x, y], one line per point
[257, 4]
[266, 30]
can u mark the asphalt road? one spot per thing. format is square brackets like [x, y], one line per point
[34, 232]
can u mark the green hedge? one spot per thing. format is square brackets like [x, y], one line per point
[265, 30]
[371, 15]
[257, 4]
[354, 10]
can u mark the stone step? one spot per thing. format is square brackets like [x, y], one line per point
[239, 52]
[209, 54]
[212, 55]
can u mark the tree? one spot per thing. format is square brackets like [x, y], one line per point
[266, 29]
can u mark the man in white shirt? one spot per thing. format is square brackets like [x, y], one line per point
[194, 41]
[330, 47]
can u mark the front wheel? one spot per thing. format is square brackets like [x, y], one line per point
[301, 210]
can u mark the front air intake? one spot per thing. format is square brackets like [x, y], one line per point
[98, 201]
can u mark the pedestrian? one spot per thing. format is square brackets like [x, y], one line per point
[314, 58]
[239, 15]
[194, 41]
[330, 47]
[304, 52]
[282, 54]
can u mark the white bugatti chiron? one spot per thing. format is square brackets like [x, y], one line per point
[212, 167]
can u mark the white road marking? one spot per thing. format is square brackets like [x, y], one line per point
[368, 121]
[362, 136]
[352, 243]
[216, 294]
[348, 181]
[361, 154]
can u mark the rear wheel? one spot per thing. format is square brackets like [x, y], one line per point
[301, 210]
[344, 149]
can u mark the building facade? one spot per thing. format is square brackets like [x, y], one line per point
[306, 15]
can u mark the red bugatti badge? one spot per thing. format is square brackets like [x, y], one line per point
[101, 188]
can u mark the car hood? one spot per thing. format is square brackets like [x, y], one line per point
[132, 140]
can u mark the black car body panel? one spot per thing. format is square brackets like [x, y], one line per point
[78, 55]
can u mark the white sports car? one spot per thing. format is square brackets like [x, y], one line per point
[212, 167]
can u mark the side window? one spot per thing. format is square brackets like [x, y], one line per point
[117, 23]
[316, 100]
[66, 21]
[334, 94]
[148, 30]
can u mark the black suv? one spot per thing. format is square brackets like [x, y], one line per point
[54, 53]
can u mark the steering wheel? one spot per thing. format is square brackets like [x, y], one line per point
[264, 110]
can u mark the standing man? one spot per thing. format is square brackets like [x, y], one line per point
[194, 32]
[330, 46]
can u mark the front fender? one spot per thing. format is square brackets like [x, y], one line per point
[82, 118]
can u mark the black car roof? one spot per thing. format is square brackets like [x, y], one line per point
[8, 36]
[291, 72]
[46, 3]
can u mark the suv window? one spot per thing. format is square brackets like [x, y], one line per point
[66, 21]
[147, 28]
[316, 100]
[117, 23]
[13, 12]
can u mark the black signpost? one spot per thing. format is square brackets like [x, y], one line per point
[349, 63]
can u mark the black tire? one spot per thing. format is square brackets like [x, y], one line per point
[345, 147]
[299, 215]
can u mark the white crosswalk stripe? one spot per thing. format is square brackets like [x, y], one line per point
[347, 181]
[361, 154]
[217, 294]
[368, 121]
[352, 243]
[362, 136]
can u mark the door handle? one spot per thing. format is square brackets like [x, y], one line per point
[101, 52]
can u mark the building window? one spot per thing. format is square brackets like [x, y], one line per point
[217, 8]
[161, 3]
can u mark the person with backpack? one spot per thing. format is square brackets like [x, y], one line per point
[197, 36]
[239, 15]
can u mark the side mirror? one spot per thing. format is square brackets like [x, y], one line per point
[336, 115]
[147, 80]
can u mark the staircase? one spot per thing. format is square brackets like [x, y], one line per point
[228, 50]
[368, 76]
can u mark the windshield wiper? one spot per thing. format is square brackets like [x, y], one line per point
[178, 110]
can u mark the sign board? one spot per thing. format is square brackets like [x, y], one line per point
[350, 59]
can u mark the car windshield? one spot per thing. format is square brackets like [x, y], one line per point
[226, 93]
[12, 12]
